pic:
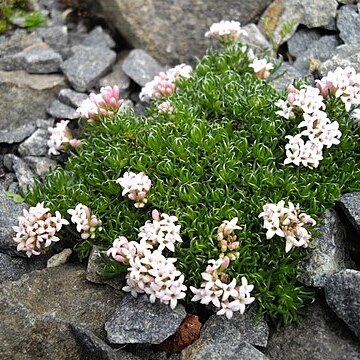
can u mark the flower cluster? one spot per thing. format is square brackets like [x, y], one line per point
[37, 229]
[225, 31]
[149, 271]
[319, 130]
[60, 138]
[287, 222]
[344, 83]
[86, 224]
[136, 186]
[215, 289]
[106, 103]
[165, 108]
[164, 84]
[261, 68]
[161, 231]
[227, 240]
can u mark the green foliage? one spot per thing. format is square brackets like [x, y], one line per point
[219, 155]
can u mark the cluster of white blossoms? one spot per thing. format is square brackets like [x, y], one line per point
[344, 83]
[165, 108]
[136, 186]
[61, 138]
[149, 271]
[228, 297]
[227, 240]
[86, 223]
[162, 231]
[106, 103]
[225, 31]
[261, 68]
[164, 84]
[307, 147]
[287, 222]
[37, 229]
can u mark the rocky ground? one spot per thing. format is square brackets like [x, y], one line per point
[68, 311]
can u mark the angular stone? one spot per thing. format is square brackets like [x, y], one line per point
[350, 204]
[136, 320]
[17, 135]
[342, 292]
[12, 62]
[116, 77]
[98, 37]
[59, 259]
[40, 165]
[44, 123]
[23, 173]
[319, 335]
[58, 110]
[209, 351]
[24, 97]
[9, 213]
[330, 253]
[285, 75]
[40, 306]
[174, 34]
[348, 22]
[12, 268]
[36, 144]
[254, 37]
[301, 40]
[87, 66]
[55, 36]
[141, 67]
[42, 61]
[72, 98]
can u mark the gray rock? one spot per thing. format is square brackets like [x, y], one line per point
[40, 306]
[14, 187]
[342, 292]
[72, 98]
[136, 320]
[174, 34]
[319, 335]
[23, 173]
[9, 213]
[59, 259]
[12, 62]
[141, 67]
[301, 40]
[42, 61]
[116, 77]
[7, 180]
[348, 22]
[12, 268]
[55, 36]
[24, 97]
[87, 66]
[40, 165]
[330, 253]
[285, 75]
[254, 37]
[98, 37]
[210, 351]
[17, 135]
[44, 123]
[36, 144]
[8, 161]
[350, 204]
[58, 110]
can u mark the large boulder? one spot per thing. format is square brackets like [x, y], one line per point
[174, 32]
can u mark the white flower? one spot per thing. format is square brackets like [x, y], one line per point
[225, 31]
[286, 110]
[261, 68]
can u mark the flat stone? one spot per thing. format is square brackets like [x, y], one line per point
[59, 259]
[255, 37]
[12, 62]
[87, 66]
[24, 97]
[301, 40]
[285, 76]
[42, 61]
[209, 351]
[141, 67]
[348, 22]
[12, 268]
[9, 213]
[98, 37]
[330, 253]
[23, 172]
[350, 204]
[40, 306]
[116, 77]
[36, 144]
[17, 135]
[136, 320]
[55, 36]
[40, 165]
[319, 335]
[72, 98]
[58, 110]
[342, 292]
[44, 123]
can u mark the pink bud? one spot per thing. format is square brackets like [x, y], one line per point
[225, 263]
[155, 215]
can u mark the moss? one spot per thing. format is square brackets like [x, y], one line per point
[219, 155]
